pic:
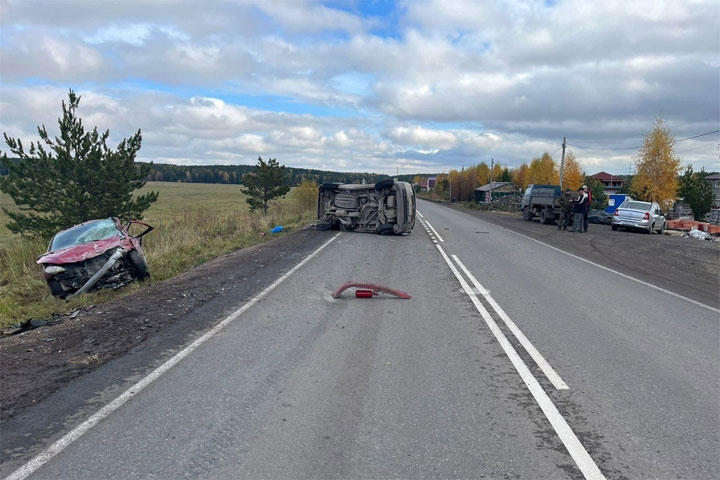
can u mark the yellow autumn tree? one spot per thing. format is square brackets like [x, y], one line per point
[657, 167]
[483, 174]
[542, 171]
[573, 174]
[520, 176]
[497, 172]
[454, 179]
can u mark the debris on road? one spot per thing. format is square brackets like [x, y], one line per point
[699, 235]
[277, 229]
[368, 290]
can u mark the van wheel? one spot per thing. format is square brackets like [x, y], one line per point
[385, 229]
[382, 184]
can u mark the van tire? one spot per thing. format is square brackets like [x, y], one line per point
[385, 229]
[383, 184]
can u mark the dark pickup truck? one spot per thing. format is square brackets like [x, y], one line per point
[543, 201]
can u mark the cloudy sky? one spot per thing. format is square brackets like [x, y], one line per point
[409, 86]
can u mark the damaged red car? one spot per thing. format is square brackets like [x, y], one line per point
[93, 255]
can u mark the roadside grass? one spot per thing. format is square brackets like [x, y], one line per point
[193, 224]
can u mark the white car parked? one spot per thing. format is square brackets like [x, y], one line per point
[639, 215]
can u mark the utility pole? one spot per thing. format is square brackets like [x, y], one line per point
[492, 164]
[562, 164]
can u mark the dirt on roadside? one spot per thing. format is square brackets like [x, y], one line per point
[38, 362]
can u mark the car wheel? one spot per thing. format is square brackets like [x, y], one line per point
[139, 263]
[329, 186]
[382, 184]
[527, 214]
[614, 227]
[652, 227]
[662, 229]
[56, 289]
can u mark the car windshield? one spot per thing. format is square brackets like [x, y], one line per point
[90, 232]
[637, 205]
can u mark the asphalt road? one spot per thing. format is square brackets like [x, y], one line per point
[298, 384]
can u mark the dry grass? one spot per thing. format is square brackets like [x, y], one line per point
[193, 223]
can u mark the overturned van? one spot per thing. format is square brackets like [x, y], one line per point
[386, 208]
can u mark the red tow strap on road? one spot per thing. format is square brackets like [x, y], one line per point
[368, 290]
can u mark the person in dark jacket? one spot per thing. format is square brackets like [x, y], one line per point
[579, 211]
[566, 208]
[586, 218]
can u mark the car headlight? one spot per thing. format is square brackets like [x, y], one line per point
[53, 269]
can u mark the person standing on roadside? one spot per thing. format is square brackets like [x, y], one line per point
[566, 208]
[579, 210]
[586, 217]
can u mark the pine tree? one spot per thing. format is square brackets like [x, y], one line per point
[267, 181]
[696, 190]
[73, 178]
[597, 189]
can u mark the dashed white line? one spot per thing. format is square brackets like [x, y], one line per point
[57, 447]
[549, 372]
[582, 458]
[421, 215]
[434, 231]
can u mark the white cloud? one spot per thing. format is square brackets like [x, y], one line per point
[456, 82]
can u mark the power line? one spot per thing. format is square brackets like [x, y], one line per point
[641, 146]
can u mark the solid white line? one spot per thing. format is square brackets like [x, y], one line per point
[434, 231]
[421, 215]
[549, 372]
[677, 295]
[576, 450]
[57, 447]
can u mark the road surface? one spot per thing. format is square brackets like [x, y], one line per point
[504, 364]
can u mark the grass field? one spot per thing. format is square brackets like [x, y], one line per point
[193, 223]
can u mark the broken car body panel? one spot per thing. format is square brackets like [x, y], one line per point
[76, 256]
[388, 207]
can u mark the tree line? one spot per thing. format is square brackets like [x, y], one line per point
[235, 174]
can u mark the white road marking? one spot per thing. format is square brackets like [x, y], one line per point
[549, 372]
[677, 295]
[57, 447]
[576, 450]
[421, 215]
[434, 231]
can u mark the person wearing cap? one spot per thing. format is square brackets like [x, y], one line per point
[566, 208]
[579, 211]
[586, 217]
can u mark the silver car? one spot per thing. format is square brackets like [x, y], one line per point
[639, 215]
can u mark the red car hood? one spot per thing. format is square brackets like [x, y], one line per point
[79, 253]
